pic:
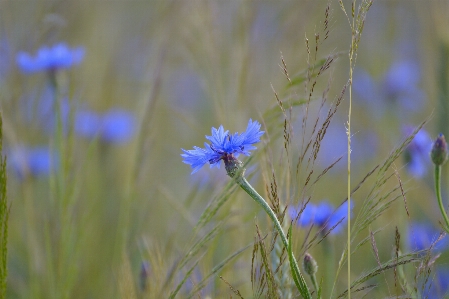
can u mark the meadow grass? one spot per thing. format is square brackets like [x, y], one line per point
[95, 201]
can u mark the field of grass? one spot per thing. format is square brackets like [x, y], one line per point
[98, 99]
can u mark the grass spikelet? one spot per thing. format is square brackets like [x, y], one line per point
[390, 264]
[216, 204]
[215, 270]
[378, 200]
[267, 271]
[234, 290]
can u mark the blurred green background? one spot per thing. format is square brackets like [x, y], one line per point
[182, 67]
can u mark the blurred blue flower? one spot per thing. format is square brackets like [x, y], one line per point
[417, 154]
[114, 126]
[59, 56]
[223, 145]
[322, 215]
[118, 126]
[439, 284]
[34, 161]
[421, 235]
[399, 86]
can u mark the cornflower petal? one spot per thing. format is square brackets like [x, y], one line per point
[218, 138]
[252, 134]
[196, 157]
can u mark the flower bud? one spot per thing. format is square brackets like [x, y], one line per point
[309, 264]
[439, 151]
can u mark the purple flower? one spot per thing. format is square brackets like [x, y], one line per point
[422, 235]
[59, 56]
[222, 146]
[114, 126]
[322, 215]
[34, 161]
[417, 153]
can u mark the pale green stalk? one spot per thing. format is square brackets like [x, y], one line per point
[243, 183]
[438, 194]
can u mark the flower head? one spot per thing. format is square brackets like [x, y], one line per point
[59, 56]
[322, 215]
[223, 146]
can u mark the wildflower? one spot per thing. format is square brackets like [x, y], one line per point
[34, 161]
[417, 153]
[224, 146]
[60, 56]
[114, 126]
[322, 215]
[439, 151]
[422, 235]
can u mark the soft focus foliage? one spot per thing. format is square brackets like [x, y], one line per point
[98, 97]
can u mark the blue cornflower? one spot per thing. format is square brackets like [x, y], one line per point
[417, 153]
[34, 161]
[223, 146]
[322, 215]
[421, 235]
[114, 126]
[59, 56]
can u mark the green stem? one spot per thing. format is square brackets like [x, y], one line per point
[438, 193]
[315, 284]
[243, 183]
